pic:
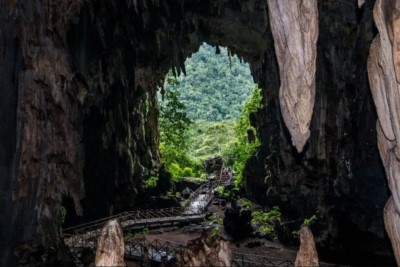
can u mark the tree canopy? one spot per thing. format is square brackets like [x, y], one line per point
[206, 113]
[215, 86]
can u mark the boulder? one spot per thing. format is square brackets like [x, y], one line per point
[205, 251]
[237, 222]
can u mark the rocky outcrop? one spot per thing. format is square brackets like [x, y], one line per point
[205, 251]
[384, 76]
[213, 166]
[339, 174]
[110, 245]
[307, 254]
[237, 222]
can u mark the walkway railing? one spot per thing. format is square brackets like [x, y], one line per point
[248, 260]
[159, 250]
[85, 235]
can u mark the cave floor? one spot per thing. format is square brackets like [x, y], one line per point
[250, 245]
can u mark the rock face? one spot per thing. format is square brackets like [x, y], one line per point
[205, 251]
[213, 166]
[339, 174]
[110, 246]
[307, 254]
[78, 100]
[384, 76]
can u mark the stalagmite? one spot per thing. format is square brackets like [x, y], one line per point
[110, 246]
[307, 254]
[384, 76]
[294, 25]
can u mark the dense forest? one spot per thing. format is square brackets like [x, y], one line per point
[215, 86]
[206, 113]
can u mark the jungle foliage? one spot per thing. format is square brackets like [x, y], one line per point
[215, 86]
[191, 130]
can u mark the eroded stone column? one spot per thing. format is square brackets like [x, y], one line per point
[307, 254]
[294, 26]
[384, 77]
[110, 246]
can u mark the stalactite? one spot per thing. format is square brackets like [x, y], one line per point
[294, 25]
[383, 64]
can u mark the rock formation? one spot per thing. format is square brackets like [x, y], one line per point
[339, 174]
[237, 222]
[205, 251]
[110, 246]
[384, 76]
[78, 83]
[294, 25]
[307, 254]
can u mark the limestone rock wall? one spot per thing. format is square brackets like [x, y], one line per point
[339, 175]
[384, 76]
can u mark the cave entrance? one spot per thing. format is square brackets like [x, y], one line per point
[204, 113]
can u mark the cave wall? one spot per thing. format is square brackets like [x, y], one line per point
[81, 81]
[339, 175]
[81, 101]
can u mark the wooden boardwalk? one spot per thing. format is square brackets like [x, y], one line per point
[85, 235]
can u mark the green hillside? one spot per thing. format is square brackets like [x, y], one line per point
[216, 85]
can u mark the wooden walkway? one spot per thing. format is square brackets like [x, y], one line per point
[85, 235]
[193, 209]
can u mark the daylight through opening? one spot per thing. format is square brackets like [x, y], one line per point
[204, 116]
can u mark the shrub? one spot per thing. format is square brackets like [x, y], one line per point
[265, 221]
[151, 182]
[187, 172]
[175, 171]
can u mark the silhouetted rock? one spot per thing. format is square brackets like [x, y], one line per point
[237, 222]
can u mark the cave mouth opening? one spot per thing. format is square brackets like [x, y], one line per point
[208, 106]
[120, 143]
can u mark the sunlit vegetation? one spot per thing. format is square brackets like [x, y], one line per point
[216, 85]
[205, 114]
[174, 125]
[265, 221]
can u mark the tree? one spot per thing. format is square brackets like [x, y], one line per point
[213, 84]
[173, 121]
[174, 124]
[243, 148]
